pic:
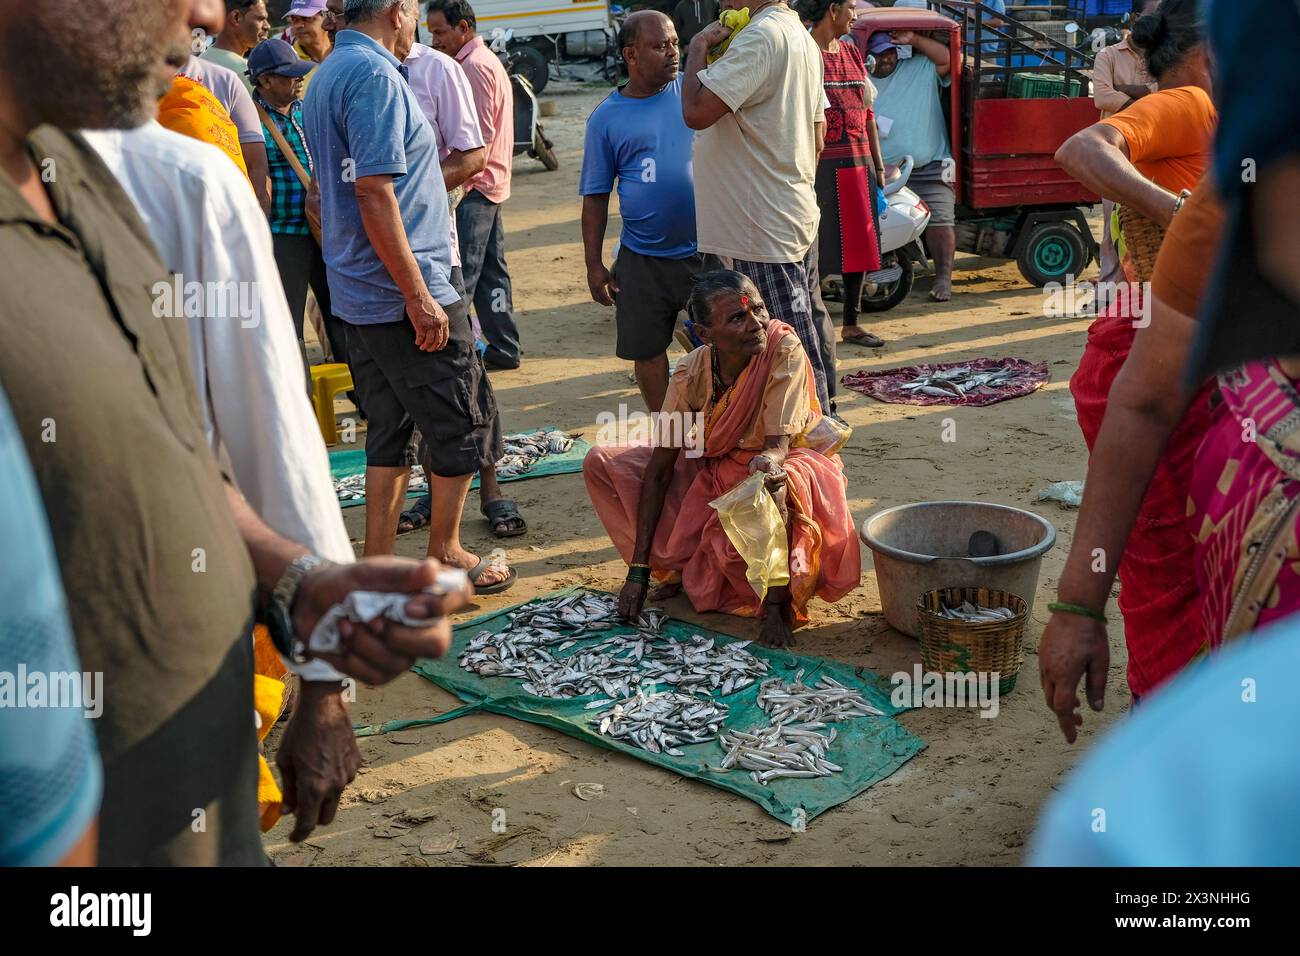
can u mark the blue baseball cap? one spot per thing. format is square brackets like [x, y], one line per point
[278, 58]
[880, 42]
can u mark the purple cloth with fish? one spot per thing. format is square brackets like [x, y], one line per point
[887, 385]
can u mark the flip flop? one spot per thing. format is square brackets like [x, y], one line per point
[476, 572]
[415, 517]
[502, 510]
[866, 339]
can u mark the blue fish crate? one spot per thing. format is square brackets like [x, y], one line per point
[1108, 8]
[1023, 60]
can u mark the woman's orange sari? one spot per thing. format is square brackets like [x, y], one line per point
[191, 110]
[824, 555]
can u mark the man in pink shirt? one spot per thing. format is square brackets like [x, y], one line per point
[452, 25]
[443, 92]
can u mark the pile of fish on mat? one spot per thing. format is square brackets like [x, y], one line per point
[660, 721]
[353, 487]
[529, 649]
[521, 453]
[956, 382]
[628, 671]
[977, 614]
[525, 450]
[697, 665]
[779, 750]
[793, 745]
[827, 700]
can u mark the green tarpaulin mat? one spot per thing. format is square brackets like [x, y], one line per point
[345, 464]
[869, 748]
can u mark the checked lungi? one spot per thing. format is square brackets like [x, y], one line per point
[792, 293]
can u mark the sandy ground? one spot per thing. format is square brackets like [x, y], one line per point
[426, 797]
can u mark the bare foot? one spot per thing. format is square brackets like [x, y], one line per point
[662, 592]
[778, 625]
[942, 290]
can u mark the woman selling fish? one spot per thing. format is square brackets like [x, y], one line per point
[751, 385]
[1147, 157]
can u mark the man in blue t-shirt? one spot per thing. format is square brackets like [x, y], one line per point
[637, 136]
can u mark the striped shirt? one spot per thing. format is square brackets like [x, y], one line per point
[288, 195]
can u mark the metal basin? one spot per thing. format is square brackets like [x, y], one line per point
[927, 545]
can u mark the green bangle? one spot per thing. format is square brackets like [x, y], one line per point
[1079, 609]
[638, 574]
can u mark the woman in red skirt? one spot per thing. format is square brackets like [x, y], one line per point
[850, 166]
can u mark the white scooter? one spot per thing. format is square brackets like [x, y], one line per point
[901, 252]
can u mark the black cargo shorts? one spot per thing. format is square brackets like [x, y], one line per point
[446, 394]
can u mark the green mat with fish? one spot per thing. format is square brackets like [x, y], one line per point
[867, 748]
[346, 464]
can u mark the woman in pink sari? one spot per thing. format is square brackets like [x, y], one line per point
[751, 386]
[1244, 505]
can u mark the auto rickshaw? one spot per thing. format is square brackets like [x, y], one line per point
[1016, 95]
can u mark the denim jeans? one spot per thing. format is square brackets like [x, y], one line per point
[487, 281]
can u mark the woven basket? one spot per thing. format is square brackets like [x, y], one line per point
[1142, 239]
[949, 646]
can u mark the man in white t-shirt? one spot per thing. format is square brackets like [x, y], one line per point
[759, 110]
[244, 357]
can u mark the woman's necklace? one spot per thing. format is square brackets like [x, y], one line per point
[720, 387]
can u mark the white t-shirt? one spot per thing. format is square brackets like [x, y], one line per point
[207, 224]
[755, 167]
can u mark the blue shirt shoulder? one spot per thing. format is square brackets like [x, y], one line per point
[362, 119]
[50, 777]
[644, 145]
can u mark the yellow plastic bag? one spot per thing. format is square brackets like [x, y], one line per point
[753, 524]
[736, 20]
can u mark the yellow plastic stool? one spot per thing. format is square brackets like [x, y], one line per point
[326, 382]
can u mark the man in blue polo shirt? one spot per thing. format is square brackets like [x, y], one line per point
[386, 237]
[637, 136]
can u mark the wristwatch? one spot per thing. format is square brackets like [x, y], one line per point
[1182, 198]
[279, 610]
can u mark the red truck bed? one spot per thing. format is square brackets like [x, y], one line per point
[1008, 158]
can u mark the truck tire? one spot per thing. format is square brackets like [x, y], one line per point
[531, 62]
[890, 294]
[1053, 251]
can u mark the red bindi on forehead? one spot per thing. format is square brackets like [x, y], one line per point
[744, 300]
